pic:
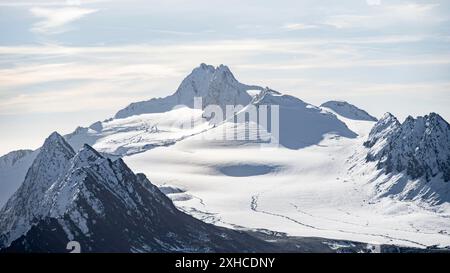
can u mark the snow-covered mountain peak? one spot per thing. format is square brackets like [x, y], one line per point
[52, 159]
[55, 139]
[428, 124]
[224, 73]
[387, 125]
[418, 148]
[388, 117]
[215, 85]
[105, 207]
[205, 67]
[50, 164]
[196, 83]
[206, 70]
[348, 110]
[300, 124]
[271, 97]
[86, 156]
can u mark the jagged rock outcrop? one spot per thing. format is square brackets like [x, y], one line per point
[418, 148]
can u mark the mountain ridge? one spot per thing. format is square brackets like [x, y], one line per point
[106, 207]
[316, 139]
[419, 147]
[348, 110]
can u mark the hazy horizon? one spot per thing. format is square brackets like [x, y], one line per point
[65, 64]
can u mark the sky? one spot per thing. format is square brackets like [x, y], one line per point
[70, 63]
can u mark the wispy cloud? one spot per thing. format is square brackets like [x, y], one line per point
[43, 77]
[385, 15]
[55, 20]
[299, 26]
[34, 3]
[383, 55]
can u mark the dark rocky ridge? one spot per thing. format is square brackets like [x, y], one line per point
[104, 206]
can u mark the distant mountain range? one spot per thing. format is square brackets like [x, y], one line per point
[78, 187]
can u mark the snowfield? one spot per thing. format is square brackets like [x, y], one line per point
[322, 190]
[139, 132]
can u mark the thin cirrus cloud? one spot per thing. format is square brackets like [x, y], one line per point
[56, 20]
[146, 60]
[52, 3]
[382, 56]
[299, 26]
[386, 15]
[378, 16]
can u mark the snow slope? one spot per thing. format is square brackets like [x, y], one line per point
[318, 190]
[13, 167]
[347, 110]
[302, 124]
[138, 133]
[163, 121]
